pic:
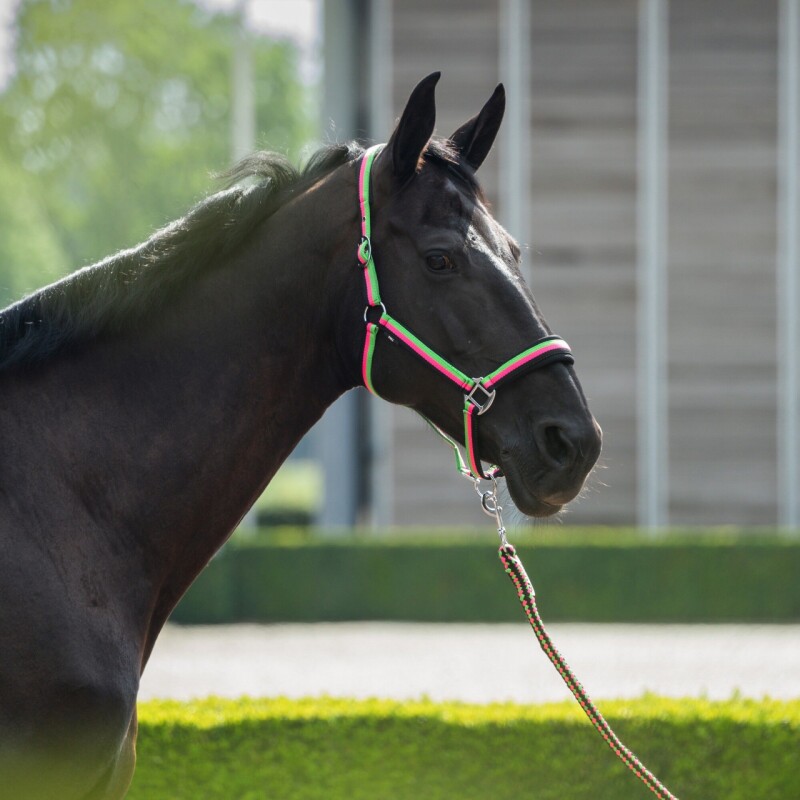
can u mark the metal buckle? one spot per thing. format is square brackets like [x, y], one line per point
[489, 399]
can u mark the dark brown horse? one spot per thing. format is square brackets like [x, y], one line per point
[145, 403]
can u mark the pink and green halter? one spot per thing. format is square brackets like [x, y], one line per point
[479, 393]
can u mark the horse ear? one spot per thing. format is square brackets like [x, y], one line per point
[475, 138]
[414, 130]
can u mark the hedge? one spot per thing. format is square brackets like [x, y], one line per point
[599, 577]
[348, 750]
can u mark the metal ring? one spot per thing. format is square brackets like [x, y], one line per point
[381, 306]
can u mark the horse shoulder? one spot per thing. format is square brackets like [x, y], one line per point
[68, 683]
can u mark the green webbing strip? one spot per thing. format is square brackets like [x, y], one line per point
[365, 247]
[549, 342]
[425, 352]
[366, 169]
[372, 337]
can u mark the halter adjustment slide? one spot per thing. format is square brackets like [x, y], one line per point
[364, 251]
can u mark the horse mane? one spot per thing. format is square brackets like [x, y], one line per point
[122, 290]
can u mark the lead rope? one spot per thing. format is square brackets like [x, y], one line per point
[516, 571]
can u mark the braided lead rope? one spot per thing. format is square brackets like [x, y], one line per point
[527, 597]
[516, 571]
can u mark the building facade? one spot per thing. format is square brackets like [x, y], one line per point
[578, 81]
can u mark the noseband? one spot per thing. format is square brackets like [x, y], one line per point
[479, 393]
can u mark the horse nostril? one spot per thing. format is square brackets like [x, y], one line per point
[556, 446]
[567, 445]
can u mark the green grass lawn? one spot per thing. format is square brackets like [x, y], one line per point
[349, 750]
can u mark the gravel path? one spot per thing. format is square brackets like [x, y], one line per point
[473, 663]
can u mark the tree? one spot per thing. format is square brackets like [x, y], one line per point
[27, 238]
[117, 115]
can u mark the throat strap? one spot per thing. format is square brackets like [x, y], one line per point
[479, 393]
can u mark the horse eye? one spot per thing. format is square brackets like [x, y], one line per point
[439, 262]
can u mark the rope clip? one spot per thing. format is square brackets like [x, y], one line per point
[490, 504]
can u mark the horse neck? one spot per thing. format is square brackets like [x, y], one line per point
[170, 435]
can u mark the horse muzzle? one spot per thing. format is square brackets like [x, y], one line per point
[548, 468]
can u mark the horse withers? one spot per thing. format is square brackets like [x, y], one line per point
[146, 401]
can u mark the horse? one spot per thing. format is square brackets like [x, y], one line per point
[146, 402]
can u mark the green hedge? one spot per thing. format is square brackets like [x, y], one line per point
[599, 577]
[346, 750]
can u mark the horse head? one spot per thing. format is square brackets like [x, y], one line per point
[450, 273]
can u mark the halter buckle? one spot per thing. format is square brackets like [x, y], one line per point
[486, 403]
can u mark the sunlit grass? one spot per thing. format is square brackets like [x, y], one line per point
[336, 748]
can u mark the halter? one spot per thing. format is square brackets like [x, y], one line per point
[479, 393]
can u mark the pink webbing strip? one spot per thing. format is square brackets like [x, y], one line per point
[469, 441]
[363, 199]
[371, 283]
[365, 246]
[534, 353]
[425, 353]
[471, 445]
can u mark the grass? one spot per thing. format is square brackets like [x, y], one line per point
[349, 750]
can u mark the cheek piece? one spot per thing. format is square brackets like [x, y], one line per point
[479, 393]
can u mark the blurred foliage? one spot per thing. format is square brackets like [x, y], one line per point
[335, 748]
[298, 485]
[31, 253]
[113, 121]
[749, 580]
[291, 499]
